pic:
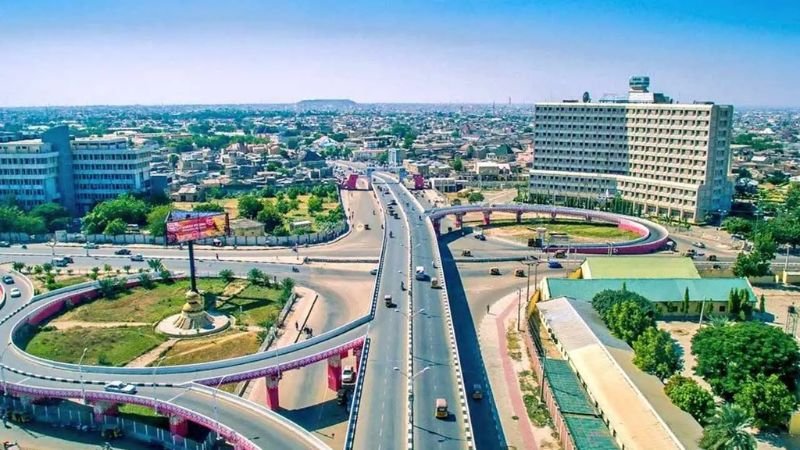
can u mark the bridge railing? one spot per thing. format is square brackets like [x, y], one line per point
[355, 402]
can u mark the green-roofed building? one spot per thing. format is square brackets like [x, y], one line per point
[596, 267]
[709, 295]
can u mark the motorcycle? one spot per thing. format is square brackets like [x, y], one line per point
[402, 286]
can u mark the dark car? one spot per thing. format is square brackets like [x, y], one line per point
[122, 251]
[67, 259]
[480, 237]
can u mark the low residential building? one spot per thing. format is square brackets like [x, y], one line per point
[188, 193]
[246, 227]
[638, 266]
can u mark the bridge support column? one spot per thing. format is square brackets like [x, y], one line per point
[437, 225]
[487, 218]
[273, 402]
[335, 372]
[519, 216]
[100, 409]
[459, 220]
[178, 426]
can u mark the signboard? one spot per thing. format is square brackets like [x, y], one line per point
[184, 226]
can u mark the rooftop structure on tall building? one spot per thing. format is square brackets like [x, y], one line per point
[665, 158]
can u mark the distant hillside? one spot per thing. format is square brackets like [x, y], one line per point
[326, 104]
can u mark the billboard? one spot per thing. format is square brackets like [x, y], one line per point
[184, 226]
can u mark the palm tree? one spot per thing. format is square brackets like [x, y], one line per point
[155, 265]
[18, 266]
[728, 430]
[718, 320]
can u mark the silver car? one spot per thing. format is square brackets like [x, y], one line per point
[120, 387]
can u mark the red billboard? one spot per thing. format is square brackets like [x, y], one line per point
[193, 226]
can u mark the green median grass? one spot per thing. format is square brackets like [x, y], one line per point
[255, 305]
[142, 305]
[105, 346]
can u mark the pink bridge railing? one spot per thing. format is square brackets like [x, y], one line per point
[241, 442]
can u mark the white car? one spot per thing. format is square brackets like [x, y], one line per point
[348, 375]
[90, 245]
[14, 293]
[699, 244]
[122, 388]
[137, 257]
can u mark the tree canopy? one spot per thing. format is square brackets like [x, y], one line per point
[126, 208]
[689, 396]
[657, 353]
[767, 400]
[729, 356]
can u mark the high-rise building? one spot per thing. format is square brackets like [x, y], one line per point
[76, 173]
[665, 158]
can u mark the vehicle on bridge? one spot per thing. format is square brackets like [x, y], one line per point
[519, 273]
[419, 273]
[441, 409]
[466, 252]
[120, 387]
[348, 375]
[477, 392]
[387, 301]
[435, 283]
[494, 271]
[341, 396]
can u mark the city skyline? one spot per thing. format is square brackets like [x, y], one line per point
[99, 53]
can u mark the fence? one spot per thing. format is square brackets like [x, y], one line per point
[68, 415]
[139, 238]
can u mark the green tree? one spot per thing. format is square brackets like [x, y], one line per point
[94, 272]
[250, 206]
[107, 268]
[55, 216]
[156, 265]
[734, 303]
[156, 220]
[762, 305]
[383, 157]
[689, 396]
[126, 268]
[287, 284]
[792, 202]
[255, 276]
[728, 356]
[208, 207]
[766, 400]
[458, 164]
[627, 320]
[226, 275]
[173, 159]
[126, 208]
[116, 227]
[271, 218]
[18, 266]
[283, 206]
[146, 281]
[737, 225]
[656, 353]
[292, 143]
[685, 305]
[751, 265]
[604, 300]
[109, 287]
[292, 193]
[727, 430]
[314, 204]
[475, 197]
[47, 267]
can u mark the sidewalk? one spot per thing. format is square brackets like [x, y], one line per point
[502, 369]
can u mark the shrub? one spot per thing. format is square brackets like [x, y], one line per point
[689, 396]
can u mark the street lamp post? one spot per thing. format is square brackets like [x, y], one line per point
[80, 375]
[535, 263]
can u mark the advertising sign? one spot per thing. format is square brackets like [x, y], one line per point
[184, 226]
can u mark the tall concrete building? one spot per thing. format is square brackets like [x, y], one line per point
[667, 159]
[76, 173]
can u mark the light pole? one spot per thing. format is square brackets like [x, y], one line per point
[411, 377]
[80, 374]
[155, 402]
[533, 261]
[420, 311]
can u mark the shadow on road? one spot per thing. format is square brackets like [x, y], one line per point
[317, 417]
[485, 424]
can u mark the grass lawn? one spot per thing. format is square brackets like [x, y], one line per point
[106, 346]
[577, 231]
[143, 414]
[301, 213]
[221, 346]
[142, 305]
[257, 305]
[231, 205]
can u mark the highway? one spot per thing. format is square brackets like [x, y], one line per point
[431, 345]
[381, 422]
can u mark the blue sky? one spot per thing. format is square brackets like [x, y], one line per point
[57, 52]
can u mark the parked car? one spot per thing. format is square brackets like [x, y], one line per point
[137, 257]
[348, 375]
[120, 387]
[8, 279]
[14, 293]
[122, 251]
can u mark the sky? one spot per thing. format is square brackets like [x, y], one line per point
[87, 52]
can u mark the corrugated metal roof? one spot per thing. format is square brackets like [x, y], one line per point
[653, 289]
[639, 267]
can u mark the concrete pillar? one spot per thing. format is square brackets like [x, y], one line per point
[357, 354]
[272, 392]
[102, 408]
[335, 372]
[487, 218]
[519, 216]
[178, 426]
[437, 225]
[459, 220]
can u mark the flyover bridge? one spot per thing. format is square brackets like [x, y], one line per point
[652, 236]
